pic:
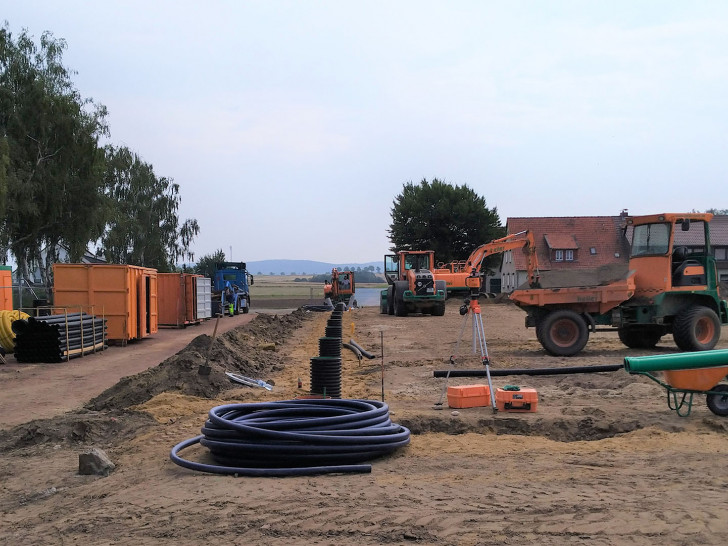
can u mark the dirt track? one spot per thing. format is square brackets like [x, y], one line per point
[603, 461]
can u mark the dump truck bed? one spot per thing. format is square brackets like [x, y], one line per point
[595, 298]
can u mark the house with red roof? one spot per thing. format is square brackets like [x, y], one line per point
[575, 243]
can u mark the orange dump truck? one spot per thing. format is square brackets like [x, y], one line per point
[667, 290]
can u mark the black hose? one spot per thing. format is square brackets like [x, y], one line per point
[295, 437]
[526, 371]
[353, 349]
[362, 350]
[317, 307]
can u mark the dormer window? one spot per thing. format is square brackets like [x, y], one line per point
[564, 255]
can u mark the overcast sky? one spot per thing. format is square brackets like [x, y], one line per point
[291, 126]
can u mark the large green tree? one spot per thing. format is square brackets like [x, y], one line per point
[451, 220]
[143, 228]
[207, 264]
[50, 161]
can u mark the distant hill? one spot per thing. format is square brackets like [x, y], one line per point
[303, 267]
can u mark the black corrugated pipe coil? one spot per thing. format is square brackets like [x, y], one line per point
[295, 437]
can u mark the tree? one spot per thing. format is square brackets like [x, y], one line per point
[718, 212]
[143, 228]
[207, 264]
[50, 161]
[451, 220]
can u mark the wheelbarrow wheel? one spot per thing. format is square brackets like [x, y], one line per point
[718, 403]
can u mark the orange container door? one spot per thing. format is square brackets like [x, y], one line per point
[170, 302]
[6, 289]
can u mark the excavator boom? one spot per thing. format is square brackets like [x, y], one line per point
[456, 274]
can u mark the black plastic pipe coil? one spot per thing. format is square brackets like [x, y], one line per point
[295, 437]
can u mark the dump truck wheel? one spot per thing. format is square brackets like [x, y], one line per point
[439, 309]
[383, 304]
[718, 403]
[564, 333]
[697, 328]
[639, 338]
[539, 332]
[246, 309]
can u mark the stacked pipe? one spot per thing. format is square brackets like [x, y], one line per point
[326, 368]
[56, 338]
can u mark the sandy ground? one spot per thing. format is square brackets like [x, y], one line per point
[602, 461]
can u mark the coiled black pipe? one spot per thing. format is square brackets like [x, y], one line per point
[295, 438]
[526, 371]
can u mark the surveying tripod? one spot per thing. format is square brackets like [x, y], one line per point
[471, 308]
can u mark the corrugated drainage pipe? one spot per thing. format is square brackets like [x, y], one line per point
[295, 438]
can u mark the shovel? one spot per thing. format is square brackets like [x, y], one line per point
[205, 368]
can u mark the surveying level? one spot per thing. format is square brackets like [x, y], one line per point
[471, 307]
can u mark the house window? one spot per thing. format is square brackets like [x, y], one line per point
[569, 255]
[559, 255]
[593, 250]
[721, 253]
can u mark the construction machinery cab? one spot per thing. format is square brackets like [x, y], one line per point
[661, 255]
[397, 266]
[340, 287]
[414, 287]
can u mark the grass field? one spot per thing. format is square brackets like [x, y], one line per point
[271, 287]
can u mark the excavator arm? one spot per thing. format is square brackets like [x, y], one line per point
[522, 239]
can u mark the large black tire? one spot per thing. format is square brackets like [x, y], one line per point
[539, 332]
[564, 333]
[383, 305]
[400, 308]
[390, 300]
[246, 309]
[639, 337]
[697, 328]
[441, 285]
[438, 309]
[718, 403]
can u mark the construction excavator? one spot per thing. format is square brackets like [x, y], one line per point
[340, 288]
[464, 276]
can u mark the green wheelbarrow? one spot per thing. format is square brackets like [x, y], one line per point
[685, 375]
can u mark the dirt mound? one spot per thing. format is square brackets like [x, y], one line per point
[249, 351]
[84, 427]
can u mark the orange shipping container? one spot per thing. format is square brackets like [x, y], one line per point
[125, 294]
[183, 299]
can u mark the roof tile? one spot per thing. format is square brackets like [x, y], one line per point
[599, 239]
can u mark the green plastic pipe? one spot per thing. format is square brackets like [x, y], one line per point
[676, 361]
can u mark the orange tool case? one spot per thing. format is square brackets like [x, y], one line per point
[468, 396]
[516, 399]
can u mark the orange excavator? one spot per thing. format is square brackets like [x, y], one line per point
[465, 275]
[340, 287]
